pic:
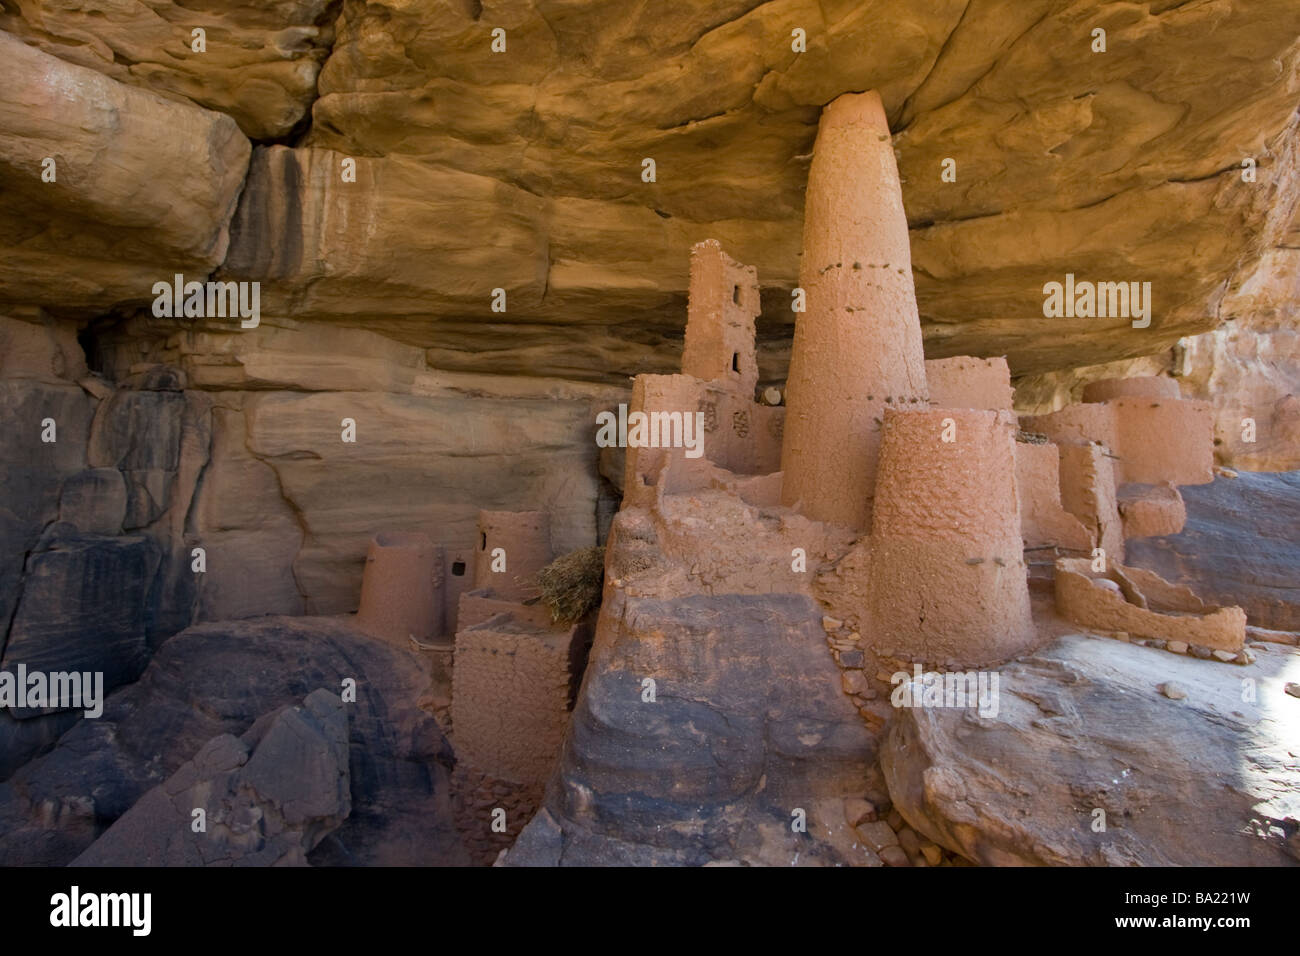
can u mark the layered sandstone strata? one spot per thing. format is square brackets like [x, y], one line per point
[256, 63]
[108, 188]
[546, 143]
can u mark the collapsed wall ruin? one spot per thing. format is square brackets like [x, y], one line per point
[740, 436]
[503, 673]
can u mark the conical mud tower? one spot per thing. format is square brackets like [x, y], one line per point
[857, 348]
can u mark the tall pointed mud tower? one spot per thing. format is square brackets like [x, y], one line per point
[857, 347]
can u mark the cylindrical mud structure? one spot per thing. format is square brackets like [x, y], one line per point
[947, 579]
[1143, 386]
[857, 347]
[401, 591]
[512, 547]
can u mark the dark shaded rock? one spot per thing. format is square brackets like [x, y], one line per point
[268, 797]
[156, 378]
[16, 539]
[139, 433]
[748, 726]
[1241, 545]
[32, 471]
[1082, 727]
[216, 679]
[21, 740]
[94, 501]
[173, 596]
[83, 608]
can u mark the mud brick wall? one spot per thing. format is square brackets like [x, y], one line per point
[511, 694]
[510, 697]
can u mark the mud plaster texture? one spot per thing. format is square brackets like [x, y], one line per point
[948, 577]
[1044, 522]
[525, 537]
[512, 686]
[1151, 510]
[857, 348]
[723, 304]
[1153, 439]
[1142, 604]
[967, 382]
[1088, 492]
[401, 589]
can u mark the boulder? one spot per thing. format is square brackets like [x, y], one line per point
[259, 62]
[218, 679]
[267, 798]
[747, 727]
[84, 607]
[21, 740]
[1239, 546]
[144, 187]
[1083, 735]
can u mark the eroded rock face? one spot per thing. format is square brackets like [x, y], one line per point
[747, 724]
[258, 65]
[1105, 143]
[83, 607]
[1082, 726]
[216, 681]
[267, 798]
[143, 187]
[956, 86]
[532, 158]
[1250, 366]
[1239, 546]
[1246, 368]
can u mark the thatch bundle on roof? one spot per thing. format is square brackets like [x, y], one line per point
[571, 584]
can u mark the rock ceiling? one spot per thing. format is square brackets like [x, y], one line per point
[522, 170]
